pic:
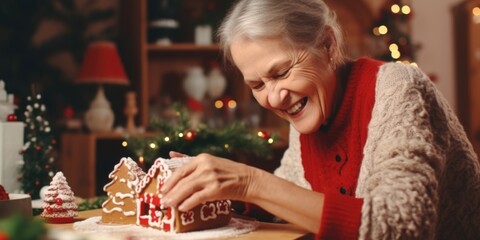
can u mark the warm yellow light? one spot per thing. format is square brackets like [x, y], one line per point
[166, 139]
[375, 31]
[476, 11]
[393, 47]
[383, 29]
[260, 134]
[414, 64]
[406, 10]
[141, 159]
[232, 104]
[395, 8]
[270, 140]
[180, 135]
[226, 146]
[395, 54]
[124, 143]
[218, 104]
[153, 145]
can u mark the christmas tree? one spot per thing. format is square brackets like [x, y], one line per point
[38, 155]
[60, 206]
[121, 207]
[392, 32]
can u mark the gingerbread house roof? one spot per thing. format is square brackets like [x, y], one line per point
[164, 165]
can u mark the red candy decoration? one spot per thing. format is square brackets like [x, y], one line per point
[59, 201]
[11, 117]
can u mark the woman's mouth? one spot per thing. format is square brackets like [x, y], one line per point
[297, 107]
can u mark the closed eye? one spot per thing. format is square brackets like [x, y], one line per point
[282, 74]
[257, 86]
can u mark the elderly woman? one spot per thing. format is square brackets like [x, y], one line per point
[375, 151]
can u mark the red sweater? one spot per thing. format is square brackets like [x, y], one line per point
[332, 156]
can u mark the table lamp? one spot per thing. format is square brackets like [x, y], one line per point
[101, 65]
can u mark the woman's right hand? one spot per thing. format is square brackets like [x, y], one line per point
[207, 178]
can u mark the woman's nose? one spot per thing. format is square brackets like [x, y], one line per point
[277, 96]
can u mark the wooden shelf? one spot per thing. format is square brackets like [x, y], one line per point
[180, 47]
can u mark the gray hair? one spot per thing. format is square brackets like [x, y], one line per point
[301, 23]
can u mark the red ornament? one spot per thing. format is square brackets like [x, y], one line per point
[47, 166]
[59, 201]
[11, 117]
[190, 135]
[49, 209]
[68, 112]
[194, 105]
[37, 148]
[263, 135]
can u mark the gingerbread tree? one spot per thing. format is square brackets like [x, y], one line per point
[120, 207]
[60, 206]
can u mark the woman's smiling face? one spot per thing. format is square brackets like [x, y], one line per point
[296, 85]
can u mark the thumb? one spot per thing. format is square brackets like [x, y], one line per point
[174, 154]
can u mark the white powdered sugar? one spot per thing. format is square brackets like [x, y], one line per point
[94, 226]
[59, 199]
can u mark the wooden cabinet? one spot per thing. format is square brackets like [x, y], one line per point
[158, 71]
[86, 159]
[467, 60]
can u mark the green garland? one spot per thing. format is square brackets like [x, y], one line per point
[231, 141]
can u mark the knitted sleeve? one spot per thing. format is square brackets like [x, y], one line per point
[398, 179]
[291, 168]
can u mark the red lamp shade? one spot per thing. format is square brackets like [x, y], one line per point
[102, 64]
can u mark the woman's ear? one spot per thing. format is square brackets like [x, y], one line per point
[329, 42]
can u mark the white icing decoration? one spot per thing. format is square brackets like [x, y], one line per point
[212, 216]
[221, 204]
[187, 217]
[123, 195]
[117, 203]
[115, 209]
[129, 213]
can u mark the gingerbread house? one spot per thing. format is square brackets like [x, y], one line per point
[151, 213]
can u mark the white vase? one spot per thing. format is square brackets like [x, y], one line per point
[216, 83]
[195, 83]
[99, 117]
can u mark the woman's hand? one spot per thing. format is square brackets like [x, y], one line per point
[207, 178]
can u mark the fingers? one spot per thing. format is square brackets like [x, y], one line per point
[205, 178]
[177, 175]
[174, 154]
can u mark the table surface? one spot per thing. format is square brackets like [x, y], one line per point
[264, 230]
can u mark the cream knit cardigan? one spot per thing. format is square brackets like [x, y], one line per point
[419, 178]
